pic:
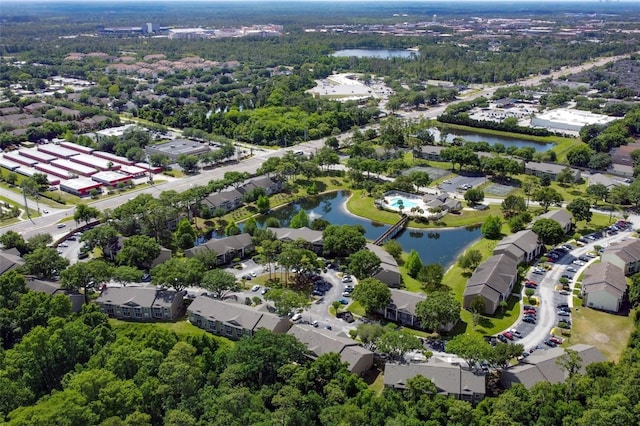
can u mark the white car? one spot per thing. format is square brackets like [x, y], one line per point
[578, 262]
[255, 288]
[296, 317]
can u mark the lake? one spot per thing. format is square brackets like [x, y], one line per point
[492, 139]
[376, 53]
[434, 246]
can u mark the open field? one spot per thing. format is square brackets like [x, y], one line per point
[608, 332]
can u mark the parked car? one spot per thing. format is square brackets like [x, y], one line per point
[347, 279]
[145, 277]
[502, 338]
[314, 323]
[529, 320]
[562, 305]
[343, 301]
[61, 225]
[556, 340]
[264, 291]
[516, 333]
[296, 317]
[247, 277]
[530, 285]
[578, 262]
[569, 277]
[508, 335]
[550, 343]
[571, 269]
[584, 258]
[346, 294]
[255, 288]
[530, 312]
[529, 308]
[564, 313]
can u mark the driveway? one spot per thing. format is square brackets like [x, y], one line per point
[535, 335]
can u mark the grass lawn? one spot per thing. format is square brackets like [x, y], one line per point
[356, 308]
[608, 332]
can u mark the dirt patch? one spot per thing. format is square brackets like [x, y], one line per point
[600, 337]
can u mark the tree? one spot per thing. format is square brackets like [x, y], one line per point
[232, 229]
[549, 231]
[580, 209]
[529, 292]
[218, 283]
[503, 353]
[394, 248]
[431, 275]
[598, 191]
[580, 155]
[44, 263]
[84, 213]
[263, 204]
[477, 307]
[470, 260]
[474, 196]
[369, 333]
[397, 343]
[300, 220]
[413, 263]
[188, 163]
[138, 251]
[11, 239]
[546, 197]
[82, 275]
[286, 301]
[512, 206]
[470, 347]
[372, 294]
[342, 240]
[419, 179]
[363, 264]
[126, 274]
[103, 237]
[566, 176]
[571, 362]
[178, 272]
[491, 228]
[437, 310]
[185, 234]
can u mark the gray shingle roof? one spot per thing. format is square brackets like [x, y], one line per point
[604, 276]
[223, 245]
[293, 234]
[137, 296]
[448, 379]
[562, 216]
[526, 240]
[236, 314]
[9, 259]
[628, 250]
[493, 277]
[406, 301]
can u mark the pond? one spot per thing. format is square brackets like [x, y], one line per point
[376, 53]
[434, 246]
[492, 139]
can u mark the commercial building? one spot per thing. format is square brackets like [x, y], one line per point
[95, 162]
[178, 147]
[55, 171]
[116, 159]
[110, 178]
[569, 119]
[75, 168]
[8, 164]
[113, 132]
[77, 147]
[134, 171]
[80, 186]
[30, 171]
[57, 150]
[39, 156]
[20, 159]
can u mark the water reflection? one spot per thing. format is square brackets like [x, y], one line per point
[442, 246]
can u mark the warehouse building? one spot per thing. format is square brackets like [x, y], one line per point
[57, 150]
[76, 168]
[77, 147]
[17, 158]
[113, 158]
[39, 156]
[178, 147]
[569, 119]
[55, 171]
[95, 162]
[111, 178]
[80, 186]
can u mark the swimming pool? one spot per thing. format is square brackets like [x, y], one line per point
[405, 202]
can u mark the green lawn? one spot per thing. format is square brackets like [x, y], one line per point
[608, 332]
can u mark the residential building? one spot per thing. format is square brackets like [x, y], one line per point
[524, 246]
[430, 152]
[10, 259]
[389, 271]
[226, 249]
[550, 169]
[450, 380]
[600, 179]
[224, 200]
[624, 254]
[54, 289]
[141, 303]
[402, 308]
[493, 281]
[542, 366]
[562, 216]
[234, 320]
[321, 342]
[604, 287]
[442, 201]
[269, 185]
[304, 233]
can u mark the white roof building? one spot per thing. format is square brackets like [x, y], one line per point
[569, 119]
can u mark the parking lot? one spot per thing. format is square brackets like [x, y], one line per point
[457, 183]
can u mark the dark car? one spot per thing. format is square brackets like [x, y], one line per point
[529, 308]
[550, 343]
[502, 338]
[529, 320]
[584, 258]
[529, 285]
